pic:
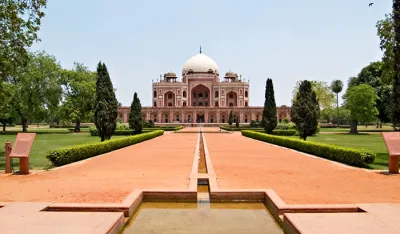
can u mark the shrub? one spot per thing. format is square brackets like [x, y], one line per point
[290, 132]
[165, 128]
[254, 124]
[93, 131]
[76, 153]
[122, 126]
[286, 126]
[353, 157]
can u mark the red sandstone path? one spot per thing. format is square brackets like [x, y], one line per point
[244, 163]
[163, 162]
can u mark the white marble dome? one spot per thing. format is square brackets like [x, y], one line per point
[200, 63]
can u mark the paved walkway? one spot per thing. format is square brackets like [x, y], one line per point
[244, 163]
[163, 162]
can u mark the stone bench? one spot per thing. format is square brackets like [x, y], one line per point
[21, 149]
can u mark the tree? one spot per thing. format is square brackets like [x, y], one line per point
[6, 110]
[269, 119]
[322, 90]
[361, 101]
[337, 87]
[36, 88]
[370, 74]
[79, 90]
[230, 118]
[396, 62]
[106, 104]
[387, 36]
[135, 115]
[305, 110]
[384, 104]
[19, 22]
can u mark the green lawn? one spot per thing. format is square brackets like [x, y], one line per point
[360, 129]
[45, 142]
[373, 142]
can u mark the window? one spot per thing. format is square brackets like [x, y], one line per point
[200, 104]
[230, 95]
[200, 95]
[230, 104]
[169, 103]
[245, 118]
[184, 94]
[216, 94]
[246, 94]
[155, 104]
[216, 104]
[206, 104]
[155, 94]
[246, 104]
[184, 103]
[170, 96]
[206, 95]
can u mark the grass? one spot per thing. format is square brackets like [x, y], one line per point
[360, 129]
[45, 142]
[373, 142]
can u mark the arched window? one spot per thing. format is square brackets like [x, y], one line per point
[155, 93]
[246, 94]
[246, 104]
[231, 95]
[169, 103]
[230, 104]
[155, 104]
[184, 93]
[200, 95]
[216, 94]
[184, 103]
[216, 104]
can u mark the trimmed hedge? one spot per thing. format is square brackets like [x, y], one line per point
[353, 157]
[227, 128]
[94, 132]
[76, 153]
[279, 132]
[165, 128]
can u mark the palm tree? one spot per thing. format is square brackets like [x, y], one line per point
[337, 87]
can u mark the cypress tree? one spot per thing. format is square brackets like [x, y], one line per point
[106, 104]
[135, 115]
[396, 78]
[305, 110]
[269, 114]
[230, 119]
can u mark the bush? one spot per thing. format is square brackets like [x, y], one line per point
[353, 157]
[76, 153]
[290, 132]
[165, 128]
[254, 124]
[122, 126]
[286, 126]
[148, 124]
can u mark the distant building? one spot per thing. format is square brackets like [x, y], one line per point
[201, 97]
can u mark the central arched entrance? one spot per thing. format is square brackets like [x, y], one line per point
[200, 96]
[200, 118]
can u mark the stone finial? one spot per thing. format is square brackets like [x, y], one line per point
[200, 49]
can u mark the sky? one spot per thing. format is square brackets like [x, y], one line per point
[284, 40]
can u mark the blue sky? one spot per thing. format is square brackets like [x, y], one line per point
[284, 40]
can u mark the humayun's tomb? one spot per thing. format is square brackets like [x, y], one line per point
[201, 97]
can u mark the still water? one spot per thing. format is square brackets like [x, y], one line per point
[205, 218]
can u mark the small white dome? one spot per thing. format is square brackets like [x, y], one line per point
[200, 63]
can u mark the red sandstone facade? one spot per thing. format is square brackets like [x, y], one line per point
[201, 97]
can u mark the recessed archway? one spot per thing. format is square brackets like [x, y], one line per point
[169, 99]
[231, 98]
[200, 95]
